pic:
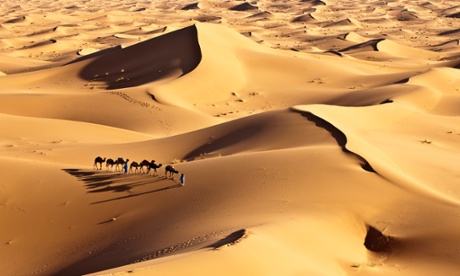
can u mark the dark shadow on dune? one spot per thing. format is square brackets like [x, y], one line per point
[207, 18]
[96, 181]
[362, 46]
[450, 32]
[139, 194]
[193, 6]
[261, 15]
[15, 20]
[100, 181]
[78, 173]
[339, 136]
[376, 241]
[139, 9]
[454, 15]
[314, 2]
[176, 53]
[344, 22]
[40, 44]
[97, 54]
[386, 101]
[230, 239]
[244, 7]
[406, 15]
[405, 80]
[335, 53]
[42, 32]
[303, 18]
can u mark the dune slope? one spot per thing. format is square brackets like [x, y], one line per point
[315, 137]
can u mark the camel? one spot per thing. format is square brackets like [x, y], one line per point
[134, 165]
[154, 166]
[110, 162]
[99, 161]
[170, 169]
[120, 162]
[146, 163]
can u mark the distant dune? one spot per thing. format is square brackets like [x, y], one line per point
[229, 137]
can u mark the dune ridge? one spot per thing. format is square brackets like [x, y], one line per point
[316, 137]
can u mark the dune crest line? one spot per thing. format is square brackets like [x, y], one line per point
[371, 158]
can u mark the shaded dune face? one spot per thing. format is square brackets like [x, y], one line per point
[313, 139]
[171, 55]
[376, 241]
[339, 137]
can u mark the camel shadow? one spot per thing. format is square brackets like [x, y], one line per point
[116, 182]
[139, 194]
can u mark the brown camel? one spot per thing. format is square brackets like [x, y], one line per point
[171, 171]
[120, 162]
[134, 165]
[154, 166]
[145, 163]
[110, 162]
[99, 160]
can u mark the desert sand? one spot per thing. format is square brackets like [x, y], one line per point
[317, 137]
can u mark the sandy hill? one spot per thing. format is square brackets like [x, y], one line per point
[316, 138]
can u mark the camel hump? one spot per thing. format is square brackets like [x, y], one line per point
[99, 159]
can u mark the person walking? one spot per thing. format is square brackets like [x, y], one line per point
[182, 179]
[125, 166]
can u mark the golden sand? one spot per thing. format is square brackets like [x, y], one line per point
[316, 137]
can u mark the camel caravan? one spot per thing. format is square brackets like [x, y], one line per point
[120, 164]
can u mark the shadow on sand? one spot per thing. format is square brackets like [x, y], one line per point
[117, 182]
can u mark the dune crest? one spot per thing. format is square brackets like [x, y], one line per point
[122, 68]
[229, 137]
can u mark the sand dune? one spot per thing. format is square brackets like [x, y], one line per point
[316, 137]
